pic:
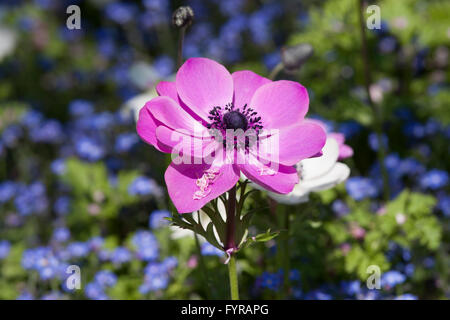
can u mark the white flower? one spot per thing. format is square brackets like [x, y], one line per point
[8, 39]
[143, 75]
[316, 174]
[400, 218]
[135, 104]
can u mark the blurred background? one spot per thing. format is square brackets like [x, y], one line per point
[78, 187]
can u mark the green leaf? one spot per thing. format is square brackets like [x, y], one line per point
[315, 224]
[264, 237]
[242, 227]
[211, 237]
[218, 222]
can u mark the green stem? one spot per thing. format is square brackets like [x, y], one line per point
[180, 46]
[230, 245]
[283, 255]
[231, 220]
[233, 278]
[378, 121]
[275, 71]
[286, 253]
[202, 264]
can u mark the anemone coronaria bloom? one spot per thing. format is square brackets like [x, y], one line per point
[203, 109]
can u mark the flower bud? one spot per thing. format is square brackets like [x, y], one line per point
[294, 57]
[182, 17]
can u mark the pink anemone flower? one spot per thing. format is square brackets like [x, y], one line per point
[345, 151]
[203, 109]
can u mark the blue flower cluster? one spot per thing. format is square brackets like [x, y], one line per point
[5, 247]
[241, 29]
[147, 245]
[208, 249]
[90, 136]
[352, 289]
[52, 262]
[400, 171]
[158, 219]
[157, 275]
[104, 279]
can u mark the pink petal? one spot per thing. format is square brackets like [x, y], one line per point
[172, 115]
[245, 85]
[318, 154]
[295, 143]
[319, 122]
[181, 181]
[202, 84]
[182, 142]
[280, 103]
[345, 151]
[169, 89]
[146, 128]
[281, 180]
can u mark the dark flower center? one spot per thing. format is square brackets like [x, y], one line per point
[235, 120]
[229, 117]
